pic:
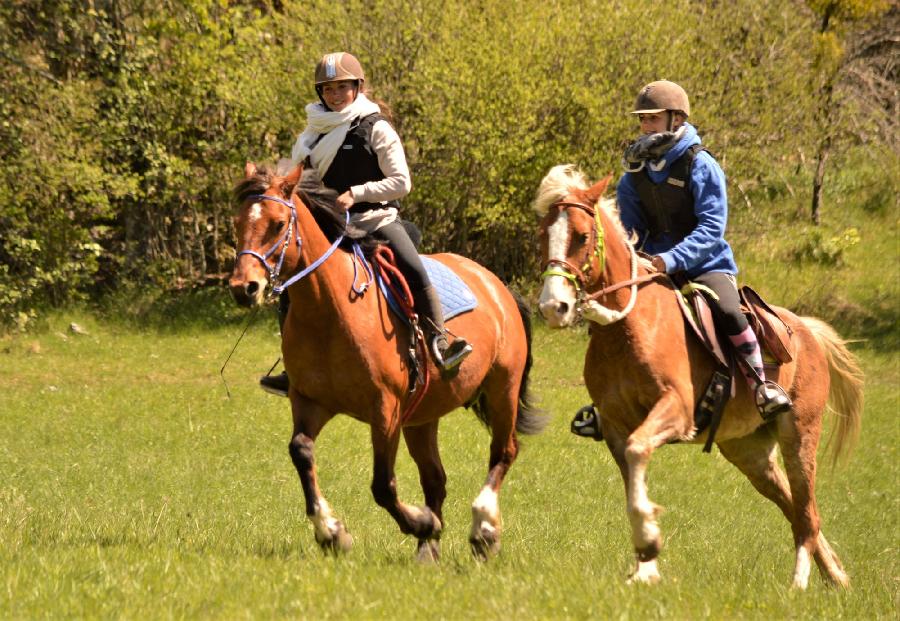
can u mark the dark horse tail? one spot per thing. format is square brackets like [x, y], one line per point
[530, 419]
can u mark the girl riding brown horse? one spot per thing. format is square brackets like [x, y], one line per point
[357, 153]
[646, 372]
[345, 351]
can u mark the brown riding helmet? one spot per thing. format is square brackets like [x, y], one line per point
[339, 66]
[660, 96]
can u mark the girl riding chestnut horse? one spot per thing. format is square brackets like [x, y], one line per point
[358, 154]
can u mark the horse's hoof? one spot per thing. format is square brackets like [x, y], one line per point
[339, 541]
[427, 525]
[428, 552]
[485, 543]
[645, 573]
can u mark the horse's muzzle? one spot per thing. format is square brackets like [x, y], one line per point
[557, 302]
[247, 292]
[557, 313]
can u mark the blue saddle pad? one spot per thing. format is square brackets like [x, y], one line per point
[456, 297]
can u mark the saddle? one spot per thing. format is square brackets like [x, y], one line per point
[773, 334]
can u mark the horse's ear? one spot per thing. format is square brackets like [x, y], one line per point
[249, 170]
[291, 179]
[596, 191]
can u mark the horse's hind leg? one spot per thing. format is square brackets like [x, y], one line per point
[422, 443]
[309, 418]
[755, 456]
[798, 438]
[486, 521]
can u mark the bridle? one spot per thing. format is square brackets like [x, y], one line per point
[579, 277]
[283, 241]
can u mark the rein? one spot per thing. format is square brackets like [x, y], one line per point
[625, 283]
[395, 281]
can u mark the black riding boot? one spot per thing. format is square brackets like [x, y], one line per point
[446, 355]
[278, 384]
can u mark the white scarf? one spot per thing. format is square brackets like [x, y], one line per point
[320, 120]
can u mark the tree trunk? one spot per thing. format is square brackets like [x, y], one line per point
[819, 180]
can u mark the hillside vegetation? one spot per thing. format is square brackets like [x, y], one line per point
[124, 124]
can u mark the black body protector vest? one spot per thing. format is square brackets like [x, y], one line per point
[668, 207]
[356, 162]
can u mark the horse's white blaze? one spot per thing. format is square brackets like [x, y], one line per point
[557, 290]
[558, 237]
[255, 212]
[801, 568]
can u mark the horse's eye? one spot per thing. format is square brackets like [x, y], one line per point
[581, 238]
[279, 225]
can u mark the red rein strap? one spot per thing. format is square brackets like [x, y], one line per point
[393, 278]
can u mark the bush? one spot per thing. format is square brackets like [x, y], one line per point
[126, 124]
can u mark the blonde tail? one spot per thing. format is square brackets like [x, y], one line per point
[845, 399]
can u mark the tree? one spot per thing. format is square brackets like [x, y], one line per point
[831, 59]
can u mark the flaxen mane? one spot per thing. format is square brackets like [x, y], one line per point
[563, 180]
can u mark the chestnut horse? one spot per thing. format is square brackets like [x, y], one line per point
[645, 371]
[346, 352]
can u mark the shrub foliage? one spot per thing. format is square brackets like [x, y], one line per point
[124, 123]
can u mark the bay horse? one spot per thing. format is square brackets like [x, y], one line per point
[645, 371]
[345, 352]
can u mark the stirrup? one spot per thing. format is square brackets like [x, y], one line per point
[587, 423]
[771, 400]
[275, 384]
[449, 357]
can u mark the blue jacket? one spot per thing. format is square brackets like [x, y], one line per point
[704, 249]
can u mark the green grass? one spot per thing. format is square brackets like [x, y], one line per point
[134, 487]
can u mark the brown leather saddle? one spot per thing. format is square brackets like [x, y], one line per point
[773, 334]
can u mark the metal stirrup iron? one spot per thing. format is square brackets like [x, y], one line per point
[452, 355]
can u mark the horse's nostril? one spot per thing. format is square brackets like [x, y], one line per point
[563, 308]
[252, 288]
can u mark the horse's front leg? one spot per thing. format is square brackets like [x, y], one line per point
[421, 523]
[669, 419]
[309, 418]
[422, 443]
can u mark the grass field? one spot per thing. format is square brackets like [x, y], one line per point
[133, 487]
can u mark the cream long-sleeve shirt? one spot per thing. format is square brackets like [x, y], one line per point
[392, 162]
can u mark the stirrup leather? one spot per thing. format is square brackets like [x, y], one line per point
[771, 400]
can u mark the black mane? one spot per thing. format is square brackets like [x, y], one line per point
[257, 184]
[320, 201]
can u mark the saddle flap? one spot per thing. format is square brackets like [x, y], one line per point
[773, 333]
[699, 317]
[708, 327]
